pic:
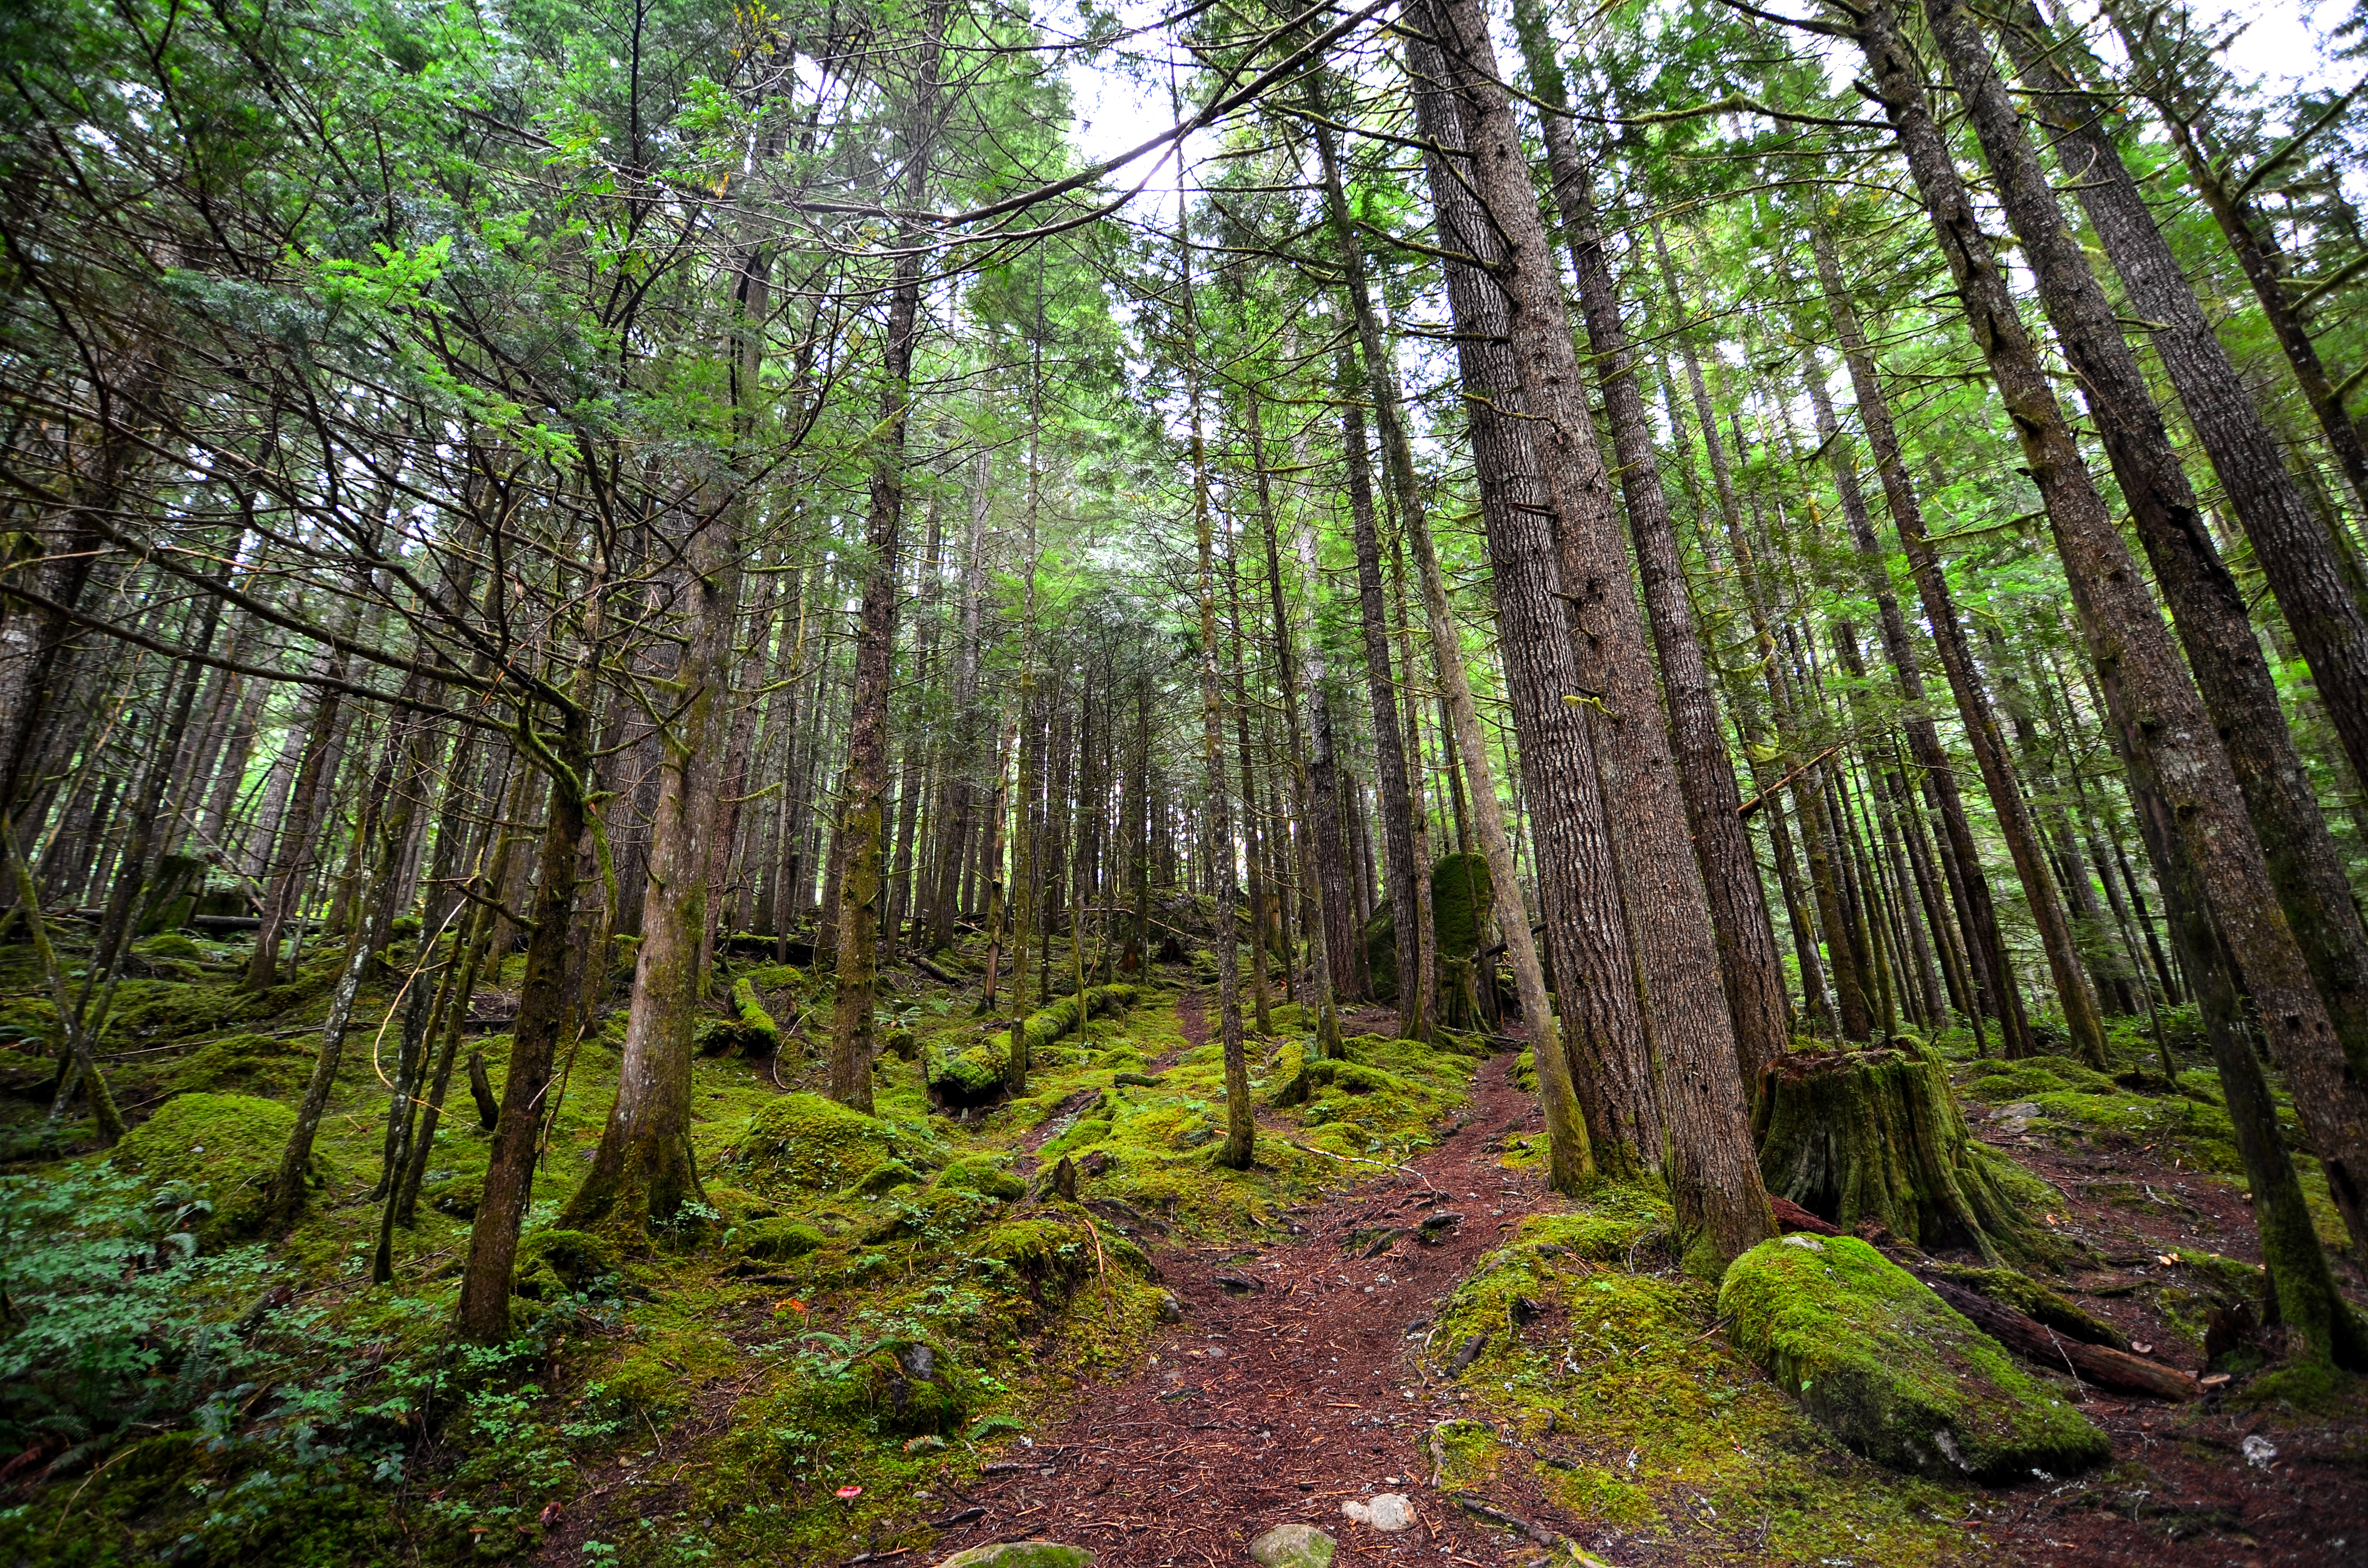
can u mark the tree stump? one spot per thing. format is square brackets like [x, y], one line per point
[1460, 896]
[1875, 1137]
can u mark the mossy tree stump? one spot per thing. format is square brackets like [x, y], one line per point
[1460, 896]
[1876, 1135]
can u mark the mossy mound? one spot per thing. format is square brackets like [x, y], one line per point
[1889, 1369]
[803, 1142]
[151, 1011]
[2001, 1082]
[556, 1263]
[247, 1064]
[983, 1176]
[226, 1146]
[885, 1176]
[778, 1240]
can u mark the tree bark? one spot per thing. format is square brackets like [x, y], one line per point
[482, 1316]
[2205, 604]
[1399, 865]
[642, 1173]
[1985, 942]
[1579, 890]
[2132, 651]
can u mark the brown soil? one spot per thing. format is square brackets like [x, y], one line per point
[1290, 1385]
[2181, 1490]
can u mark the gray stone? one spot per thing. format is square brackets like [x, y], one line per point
[1021, 1554]
[1388, 1512]
[1293, 1546]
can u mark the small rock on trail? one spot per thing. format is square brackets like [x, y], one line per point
[1390, 1512]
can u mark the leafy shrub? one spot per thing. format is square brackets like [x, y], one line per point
[106, 1292]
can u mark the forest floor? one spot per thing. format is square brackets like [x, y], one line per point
[1388, 1301]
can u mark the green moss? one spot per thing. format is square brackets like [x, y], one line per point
[885, 1176]
[1605, 1380]
[2002, 1083]
[551, 1264]
[803, 1142]
[749, 1032]
[2027, 1296]
[1459, 894]
[250, 1063]
[1381, 937]
[227, 1146]
[778, 1240]
[1890, 1371]
[981, 1176]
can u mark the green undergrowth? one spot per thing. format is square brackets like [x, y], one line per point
[1604, 1377]
[881, 1302]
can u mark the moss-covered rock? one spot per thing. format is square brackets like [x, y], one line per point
[778, 1240]
[983, 1176]
[226, 1146]
[903, 1386]
[247, 1064]
[1021, 1554]
[1899, 1377]
[805, 1142]
[556, 1262]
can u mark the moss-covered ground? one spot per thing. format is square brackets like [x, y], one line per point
[868, 1313]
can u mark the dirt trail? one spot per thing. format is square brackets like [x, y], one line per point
[1291, 1383]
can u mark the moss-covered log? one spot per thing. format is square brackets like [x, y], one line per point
[1876, 1136]
[976, 1075]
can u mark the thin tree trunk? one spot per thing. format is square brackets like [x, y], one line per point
[1749, 970]
[1987, 943]
[2133, 654]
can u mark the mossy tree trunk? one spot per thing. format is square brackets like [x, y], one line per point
[1876, 1135]
[642, 1172]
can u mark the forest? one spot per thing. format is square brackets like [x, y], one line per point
[1012, 786]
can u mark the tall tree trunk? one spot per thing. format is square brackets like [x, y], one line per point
[1750, 971]
[1261, 1002]
[1987, 945]
[2133, 654]
[1578, 878]
[642, 1172]
[483, 1315]
[1389, 751]
[1323, 880]
[2214, 627]
[1241, 1129]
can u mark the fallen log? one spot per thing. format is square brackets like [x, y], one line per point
[2035, 1342]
